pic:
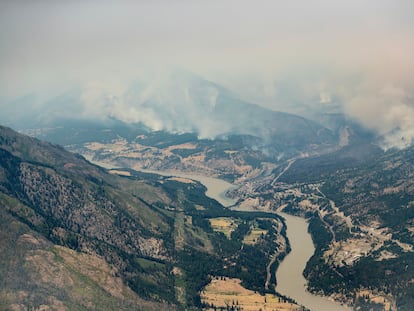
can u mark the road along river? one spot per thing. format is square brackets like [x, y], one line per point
[290, 279]
[289, 274]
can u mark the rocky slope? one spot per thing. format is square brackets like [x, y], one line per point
[78, 205]
[38, 275]
[76, 237]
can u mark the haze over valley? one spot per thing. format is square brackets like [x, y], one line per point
[154, 155]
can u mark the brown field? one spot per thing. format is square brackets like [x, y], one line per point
[225, 225]
[94, 146]
[182, 180]
[116, 146]
[199, 157]
[253, 236]
[227, 292]
[182, 146]
[121, 173]
[377, 298]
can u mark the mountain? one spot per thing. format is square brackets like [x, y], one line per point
[55, 197]
[78, 237]
[185, 102]
[364, 228]
[178, 102]
[230, 157]
[177, 109]
[182, 108]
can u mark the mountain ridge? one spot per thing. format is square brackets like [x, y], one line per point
[182, 103]
[147, 240]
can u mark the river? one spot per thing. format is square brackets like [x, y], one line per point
[216, 188]
[290, 279]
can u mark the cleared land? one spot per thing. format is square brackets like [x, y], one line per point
[225, 225]
[387, 302]
[119, 172]
[182, 180]
[254, 235]
[223, 292]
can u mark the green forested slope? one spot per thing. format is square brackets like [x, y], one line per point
[107, 242]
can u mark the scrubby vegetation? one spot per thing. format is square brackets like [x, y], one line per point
[153, 233]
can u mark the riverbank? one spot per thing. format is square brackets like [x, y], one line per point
[223, 292]
[289, 274]
[216, 188]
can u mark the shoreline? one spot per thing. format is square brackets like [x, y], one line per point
[217, 189]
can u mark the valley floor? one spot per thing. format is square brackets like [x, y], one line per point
[225, 292]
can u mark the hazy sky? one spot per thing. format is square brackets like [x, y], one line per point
[358, 51]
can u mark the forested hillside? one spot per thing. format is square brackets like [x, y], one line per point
[141, 241]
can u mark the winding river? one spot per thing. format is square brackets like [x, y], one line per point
[216, 188]
[291, 281]
[289, 274]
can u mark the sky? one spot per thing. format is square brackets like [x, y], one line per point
[274, 53]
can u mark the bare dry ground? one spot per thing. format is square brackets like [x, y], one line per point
[182, 146]
[119, 172]
[381, 299]
[225, 225]
[254, 235]
[222, 292]
[182, 180]
[58, 278]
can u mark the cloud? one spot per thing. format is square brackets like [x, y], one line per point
[287, 55]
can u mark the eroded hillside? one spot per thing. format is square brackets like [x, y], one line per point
[142, 241]
[358, 201]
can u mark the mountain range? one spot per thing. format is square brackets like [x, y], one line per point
[180, 102]
[76, 236]
[151, 242]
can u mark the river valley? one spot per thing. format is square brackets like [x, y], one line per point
[289, 275]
